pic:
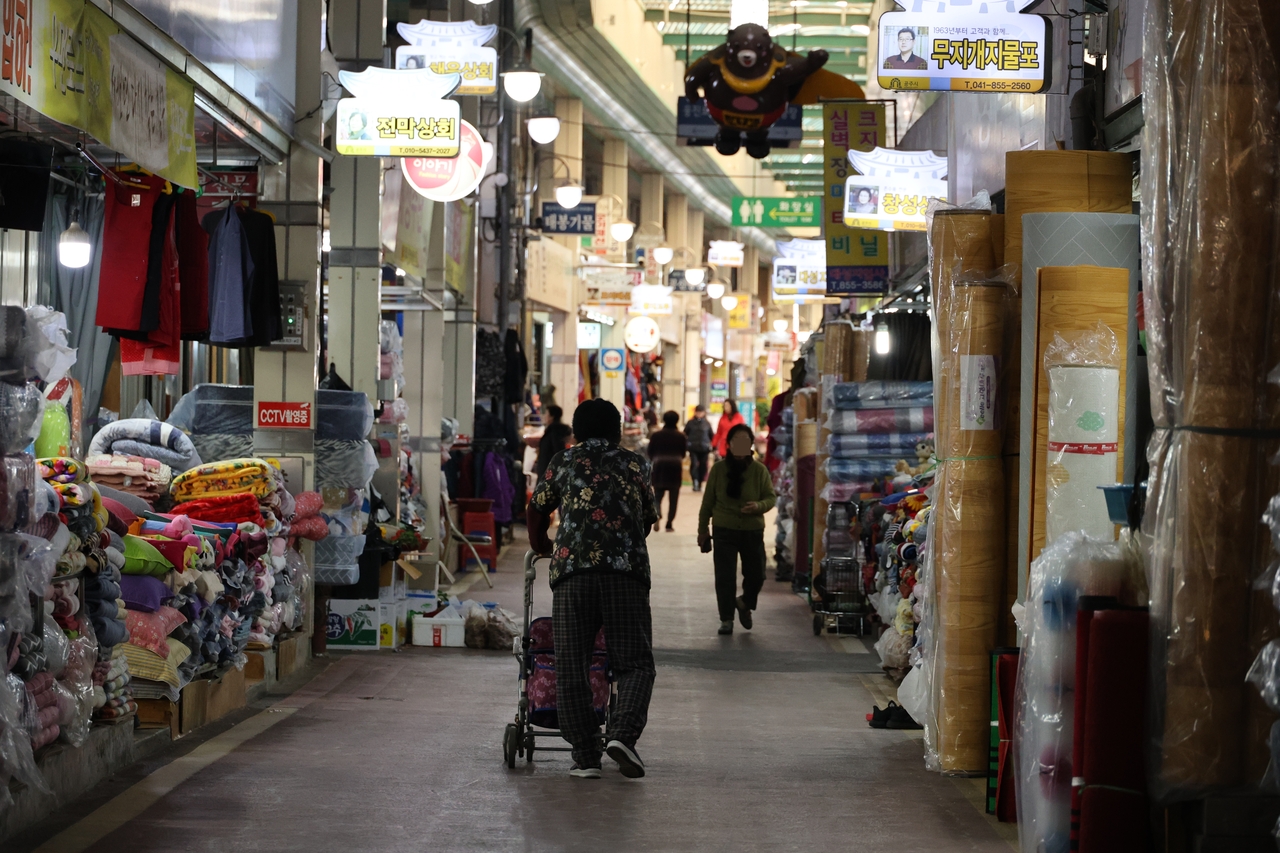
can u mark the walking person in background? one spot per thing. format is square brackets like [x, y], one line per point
[599, 578]
[555, 438]
[667, 447]
[728, 421]
[698, 432]
[739, 493]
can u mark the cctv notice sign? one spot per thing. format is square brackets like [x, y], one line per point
[964, 52]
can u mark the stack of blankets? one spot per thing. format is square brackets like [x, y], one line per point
[150, 439]
[233, 477]
[113, 697]
[147, 479]
[874, 427]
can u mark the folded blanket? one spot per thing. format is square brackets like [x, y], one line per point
[883, 444]
[219, 479]
[882, 395]
[854, 470]
[233, 509]
[863, 421]
[177, 461]
[60, 469]
[147, 432]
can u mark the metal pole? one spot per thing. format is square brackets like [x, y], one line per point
[506, 165]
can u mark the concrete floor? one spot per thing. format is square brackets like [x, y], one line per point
[756, 742]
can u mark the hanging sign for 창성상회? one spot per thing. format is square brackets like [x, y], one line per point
[452, 48]
[398, 114]
[964, 51]
[890, 190]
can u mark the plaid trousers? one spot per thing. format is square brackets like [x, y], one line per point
[582, 604]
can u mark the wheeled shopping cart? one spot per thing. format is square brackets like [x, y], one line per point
[837, 600]
[535, 651]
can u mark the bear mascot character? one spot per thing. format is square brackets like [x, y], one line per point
[748, 82]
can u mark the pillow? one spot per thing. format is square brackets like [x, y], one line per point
[151, 630]
[144, 663]
[143, 593]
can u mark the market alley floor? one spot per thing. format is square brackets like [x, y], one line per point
[756, 742]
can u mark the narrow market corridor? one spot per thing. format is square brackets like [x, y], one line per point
[755, 742]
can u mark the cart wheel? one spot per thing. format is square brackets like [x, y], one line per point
[509, 745]
[528, 747]
[817, 625]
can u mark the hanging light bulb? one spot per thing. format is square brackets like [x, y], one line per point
[760, 313]
[714, 290]
[481, 2]
[622, 231]
[663, 254]
[780, 325]
[569, 196]
[882, 338]
[708, 360]
[729, 302]
[719, 363]
[696, 276]
[522, 84]
[544, 129]
[75, 249]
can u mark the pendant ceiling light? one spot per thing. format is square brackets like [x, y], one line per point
[714, 290]
[697, 275]
[544, 129]
[75, 249]
[568, 195]
[622, 230]
[883, 342]
[522, 84]
[663, 254]
[729, 302]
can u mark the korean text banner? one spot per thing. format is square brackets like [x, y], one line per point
[478, 66]
[857, 260]
[398, 127]
[70, 62]
[964, 52]
[568, 220]
[136, 104]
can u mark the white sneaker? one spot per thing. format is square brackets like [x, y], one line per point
[584, 772]
[628, 761]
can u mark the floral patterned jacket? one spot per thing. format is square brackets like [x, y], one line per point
[606, 510]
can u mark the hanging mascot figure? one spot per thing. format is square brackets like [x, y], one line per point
[748, 82]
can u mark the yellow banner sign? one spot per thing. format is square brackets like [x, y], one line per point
[398, 128]
[857, 260]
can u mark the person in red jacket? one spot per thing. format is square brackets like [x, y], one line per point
[728, 421]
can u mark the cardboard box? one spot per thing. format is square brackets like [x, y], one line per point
[444, 630]
[353, 624]
[206, 701]
[291, 654]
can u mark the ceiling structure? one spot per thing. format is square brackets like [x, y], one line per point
[841, 28]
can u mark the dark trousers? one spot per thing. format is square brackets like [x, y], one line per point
[581, 605]
[698, 466]
[673, 501]
[727, 546]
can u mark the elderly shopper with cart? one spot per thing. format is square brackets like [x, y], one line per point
[739, 492]
[599, 578]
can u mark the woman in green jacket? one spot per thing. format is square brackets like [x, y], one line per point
[738, 493]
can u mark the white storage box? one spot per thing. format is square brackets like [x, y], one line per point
[445, 629]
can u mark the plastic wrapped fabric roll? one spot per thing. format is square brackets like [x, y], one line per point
[970, 538]
[1083, 436]
[344, 464]
[843, 471]
[883, 444]
[805, 404]
[879, 421]
[880, 395]
[1070, 301]
[1210, 148]
[806, 438]
[839, 354]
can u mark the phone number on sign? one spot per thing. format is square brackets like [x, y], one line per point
[995, 85]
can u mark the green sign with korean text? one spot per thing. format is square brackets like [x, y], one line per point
[771, 212]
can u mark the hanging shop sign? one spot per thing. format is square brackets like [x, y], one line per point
[741, 315]
[857, 259]
[459, 239]
[609, 285]
[891, 189]
[450, 178]
[612, 360]
[568, 220]
[641, 334]
[771, 212]
[601, 243]
[712, 335]
[588, 335]
[651, 299]
[695, 125]
[800, 271]
[398, 114]
[964, 51]
[446, 34]
[70, 61]
[726, 253]
[477, 66]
